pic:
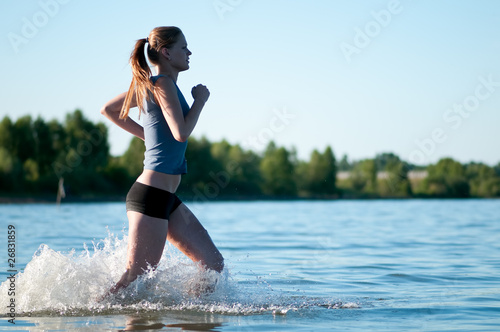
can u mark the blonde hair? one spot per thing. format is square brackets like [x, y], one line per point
[158, 38]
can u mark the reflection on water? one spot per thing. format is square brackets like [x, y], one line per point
[141, 323]
[195, 326]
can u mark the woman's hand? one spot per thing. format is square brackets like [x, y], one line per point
[200, 93]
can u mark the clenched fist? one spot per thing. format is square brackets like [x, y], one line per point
[200, 93]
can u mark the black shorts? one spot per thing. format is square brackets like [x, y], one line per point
[151, 201]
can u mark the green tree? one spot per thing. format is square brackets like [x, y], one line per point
[88, 140]
[219, 168]
[133, 159]
[57, 137]
[86, 154]
[31, 171]
[121, 172]
[483, 180]
[447, 179]
[319, 174]
[400, 185]
[329, 170]
[116, 178]
[301, 180]
[220, 152]
[44, 150]
[364, 176]
[200, 165]
[277, 172]
[11, 171]
[6, 161]
[497, 169]
[357, 180]
[396, 182]
[22, 148]
[382, 160]
[344, 165]
[7, 134]
[24, 139]
[243, 170]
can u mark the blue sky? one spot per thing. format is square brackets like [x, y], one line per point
[417, 78]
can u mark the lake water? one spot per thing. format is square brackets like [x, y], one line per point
[382, 265]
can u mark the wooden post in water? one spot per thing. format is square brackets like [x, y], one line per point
[60, 191]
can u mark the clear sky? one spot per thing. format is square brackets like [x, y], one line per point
[420, 79]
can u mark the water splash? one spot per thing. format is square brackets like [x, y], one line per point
[55, 283]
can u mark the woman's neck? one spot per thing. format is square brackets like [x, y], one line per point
[167, 72]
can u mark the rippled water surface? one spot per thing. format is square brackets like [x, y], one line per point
[423, 265]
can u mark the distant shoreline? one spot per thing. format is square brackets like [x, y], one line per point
[49, 199]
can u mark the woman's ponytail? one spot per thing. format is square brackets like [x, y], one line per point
[141, 74]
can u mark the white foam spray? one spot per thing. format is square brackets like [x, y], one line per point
[55, 283]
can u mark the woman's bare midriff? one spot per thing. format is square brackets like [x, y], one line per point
[168, 182]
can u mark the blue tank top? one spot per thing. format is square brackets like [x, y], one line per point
[163, 152]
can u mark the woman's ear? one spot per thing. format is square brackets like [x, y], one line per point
[165, 53]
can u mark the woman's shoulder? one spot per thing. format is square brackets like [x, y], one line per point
[162, 79]
[165, 84]
[157, 78]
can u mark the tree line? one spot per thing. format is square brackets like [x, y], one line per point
[35, 155]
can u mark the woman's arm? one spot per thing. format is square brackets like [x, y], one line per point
[181, 126]
[112, 110]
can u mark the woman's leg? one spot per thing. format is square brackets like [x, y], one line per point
[189, 236]
[147, 237]
[146, 241]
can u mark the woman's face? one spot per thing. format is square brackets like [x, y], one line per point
[179, 54]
